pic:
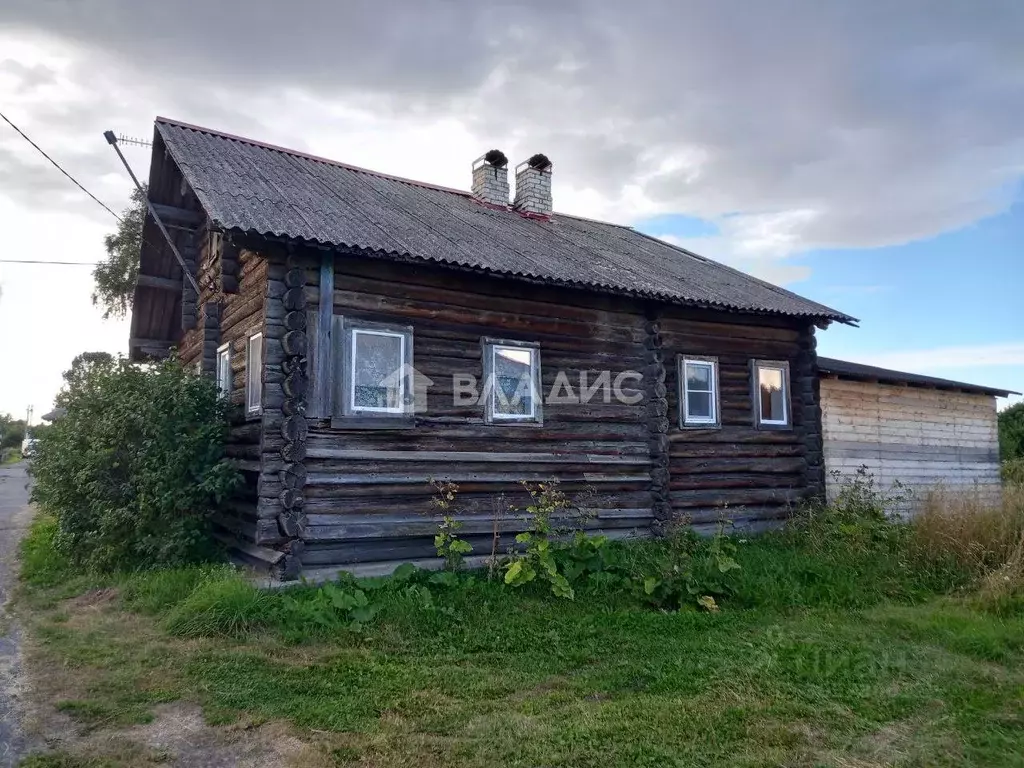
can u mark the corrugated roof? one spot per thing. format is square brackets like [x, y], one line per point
[861, 372]
[255, 188]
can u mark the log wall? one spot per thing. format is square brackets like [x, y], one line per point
[924, 438]
[751, 477]
[366, 493]
[230, 318]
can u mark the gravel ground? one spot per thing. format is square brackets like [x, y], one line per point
[15, 515]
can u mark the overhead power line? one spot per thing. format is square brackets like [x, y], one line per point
[58, 263]
[59, 168]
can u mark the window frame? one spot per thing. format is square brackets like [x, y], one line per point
[345, 349]
[685, 420]
[489, 346]
[227, 386]
[254, 374]
[755, 394]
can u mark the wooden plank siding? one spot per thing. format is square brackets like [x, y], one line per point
[924, 438]
[366, 493]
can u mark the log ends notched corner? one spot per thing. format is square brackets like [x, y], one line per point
[657, 425]
[189, 297]
[295, 346]
[229, 266]
[808, 389]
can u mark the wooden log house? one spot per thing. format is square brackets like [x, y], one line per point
[345, 312]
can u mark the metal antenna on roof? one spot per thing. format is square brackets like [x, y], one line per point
[112, 141]
[122, 139]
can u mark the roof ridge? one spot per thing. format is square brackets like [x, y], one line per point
[309, 156]
[359, 168]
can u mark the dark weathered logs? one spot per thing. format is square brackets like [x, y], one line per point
[295, 278]
[294, 429]
[294, 475]
[295, 406]
[294, 343]
[294, 299]
[294, 426]
[296, 384]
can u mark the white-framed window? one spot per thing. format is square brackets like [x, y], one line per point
[511, 382]
[224, 370]
[377, 377]
[771, 393]
[698, 396]
[254, 374]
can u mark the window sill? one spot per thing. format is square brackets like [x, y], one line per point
[707, 426]
[774, 427]
[513, 423]
[403, 421]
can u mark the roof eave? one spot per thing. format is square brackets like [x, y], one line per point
[822, 320]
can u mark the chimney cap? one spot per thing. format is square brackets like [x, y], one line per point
[494, 158]
[539, 161]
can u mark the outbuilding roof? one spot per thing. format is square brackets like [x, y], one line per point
[860, 372]
[253, 188]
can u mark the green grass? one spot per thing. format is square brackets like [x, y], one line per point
[817, 658]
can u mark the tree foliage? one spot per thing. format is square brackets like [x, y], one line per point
[1011, 432]
[115, 277]
[135, 468]
[12, 431]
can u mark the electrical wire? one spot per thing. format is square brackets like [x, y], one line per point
[59, 168]
[58, 263]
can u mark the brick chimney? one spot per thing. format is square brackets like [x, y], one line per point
[490, 178]
[533, 186]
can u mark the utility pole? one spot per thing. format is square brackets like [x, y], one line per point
[28, 420]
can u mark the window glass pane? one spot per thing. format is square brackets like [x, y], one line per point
[254, 372]
[698, 405]
[224, 372]
[513, 381]
[698, 377]
[377, 370]
[771, 382]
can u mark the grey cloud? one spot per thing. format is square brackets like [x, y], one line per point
[888, 121]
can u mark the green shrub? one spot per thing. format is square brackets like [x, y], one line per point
[136, 467]
[1012, 471]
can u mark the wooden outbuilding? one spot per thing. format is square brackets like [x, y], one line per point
[927, 434]
[375, 333]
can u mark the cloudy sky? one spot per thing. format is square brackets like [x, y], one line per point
[865, 154]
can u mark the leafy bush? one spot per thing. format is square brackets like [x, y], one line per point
[537, 558]
[136, 467]
[450, 547]
[1011, 432]
[1012, 471]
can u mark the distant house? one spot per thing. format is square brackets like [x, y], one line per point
[658, 384]
[927, 433]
